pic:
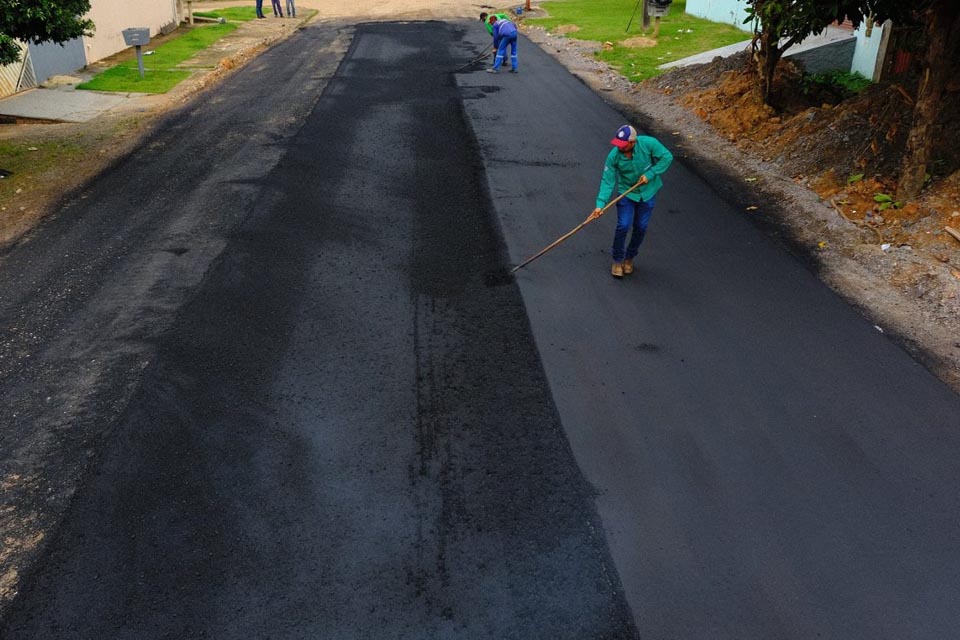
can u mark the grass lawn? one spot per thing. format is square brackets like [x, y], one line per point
[27, 160]
[681, 35]
[161, 73]
[125, 80]
[235, 14]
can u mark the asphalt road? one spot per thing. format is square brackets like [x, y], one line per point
[275, 354]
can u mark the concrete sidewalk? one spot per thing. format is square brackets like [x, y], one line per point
[58, 99]
[61, 104]
[832, 36]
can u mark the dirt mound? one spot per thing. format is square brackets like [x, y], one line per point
[818, 135]
[639, 42]
[567, 28]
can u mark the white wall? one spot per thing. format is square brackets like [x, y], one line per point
[869, 54]
[113, 16]
[724, 11]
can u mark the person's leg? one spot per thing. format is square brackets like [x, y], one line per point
[291, 9]
[501, 52]
[260, 8]
[625, 216]
[513, 53]
[641, 220]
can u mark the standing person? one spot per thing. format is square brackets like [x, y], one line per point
[260, 9]
[633, 160]
[504, 33]
[277, 10]
[291, 9]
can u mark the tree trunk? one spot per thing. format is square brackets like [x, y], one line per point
[943, 46]
[767, 57]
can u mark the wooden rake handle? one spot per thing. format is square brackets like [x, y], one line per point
[483, 54]
[589, 219]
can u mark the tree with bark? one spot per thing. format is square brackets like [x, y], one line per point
[40, 21]
[940, 64]
[780, 24]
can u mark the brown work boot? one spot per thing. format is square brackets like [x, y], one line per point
[627, 267]
[617, 270]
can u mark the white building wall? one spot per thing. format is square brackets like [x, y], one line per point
[724, 11]
[113, 16]
[870, 51]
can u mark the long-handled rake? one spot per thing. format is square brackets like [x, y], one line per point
[589, 219]
[483, 54]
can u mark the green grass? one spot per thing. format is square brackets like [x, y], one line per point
[681, 35]
[26, 165]
[125, 80]
[161, 73]
[234, 14]
[850, 83]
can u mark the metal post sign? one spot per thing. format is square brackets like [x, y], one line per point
[137, 38]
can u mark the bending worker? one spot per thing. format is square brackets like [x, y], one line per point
[485, 19]
[633, 160]
[504, 33]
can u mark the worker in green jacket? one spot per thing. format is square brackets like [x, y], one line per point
[485, 19]
[633, 160]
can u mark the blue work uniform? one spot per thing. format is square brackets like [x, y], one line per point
[505, 33]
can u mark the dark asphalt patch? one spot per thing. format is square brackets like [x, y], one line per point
[87, 294]
[498, 277]
[348, 432]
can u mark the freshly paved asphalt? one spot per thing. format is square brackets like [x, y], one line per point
[325, 413]
[769, 465]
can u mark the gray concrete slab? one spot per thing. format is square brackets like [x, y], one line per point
[60, 105]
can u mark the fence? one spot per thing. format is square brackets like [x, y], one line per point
[18, 76]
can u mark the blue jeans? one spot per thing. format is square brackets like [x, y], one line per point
[637, 215]
[502, 52]
[259, 8]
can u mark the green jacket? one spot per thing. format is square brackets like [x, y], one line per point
[650, 157]
[500, 16]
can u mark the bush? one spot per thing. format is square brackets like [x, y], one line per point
[842, 82]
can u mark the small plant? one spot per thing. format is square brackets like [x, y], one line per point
[853, 82]
[855, 178]
[886, 202]
[842, 82]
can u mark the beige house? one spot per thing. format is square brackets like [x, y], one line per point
[111, 17]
